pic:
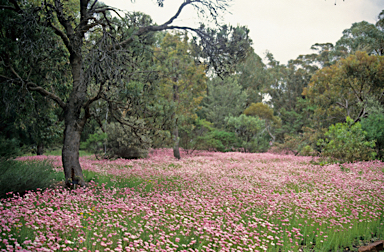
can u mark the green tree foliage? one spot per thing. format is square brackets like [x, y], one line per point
[225, 98]
[373, 125]
[362, 36]
[119, 141]
[9, 148]
[252, 77]
[264, 112]
[201, 135]
[249, 129]
[346, 142]
[123, 142]
[343, 89]
[303, 143]
[183, 82]
[96, 144]
[222, 48]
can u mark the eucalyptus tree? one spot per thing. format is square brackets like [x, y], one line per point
[100, 58]
[362, 36]
[347, 89]
[183, 82]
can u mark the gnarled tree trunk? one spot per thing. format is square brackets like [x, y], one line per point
[74, 124]
[70, 155]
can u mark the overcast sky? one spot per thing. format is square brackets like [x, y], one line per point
[286, 28]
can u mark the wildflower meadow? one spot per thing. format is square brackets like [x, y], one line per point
[208, 201]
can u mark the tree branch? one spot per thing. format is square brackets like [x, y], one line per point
[66, 24]
[62, 35]
[34, 87]
[165, 26]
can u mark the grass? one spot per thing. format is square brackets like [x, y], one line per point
[57, 152]
[22, 176]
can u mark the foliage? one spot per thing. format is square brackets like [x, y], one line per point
[201, 135]
[123, 142]
[362, 36]
[343, 89]
[346, 142]
[373, 125]
[266, 113]
[96, 143]
[118, 141]
[263, 111]
[303, 143]
[249, 130]
[223, 141]
[286, 82]
[226, 47]
[22, 176]
[182, 81]
[78, 55]
[225, 98]
[9, 148]
[252, 77]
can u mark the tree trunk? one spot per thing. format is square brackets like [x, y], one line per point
[40, 149]
[176, 151]
[74, 124]
[70, 155]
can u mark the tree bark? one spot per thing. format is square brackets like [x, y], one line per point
[74, 124]
[70, 155]
[40, 149]
[176, 151]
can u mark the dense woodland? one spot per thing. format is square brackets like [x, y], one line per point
[120, 89]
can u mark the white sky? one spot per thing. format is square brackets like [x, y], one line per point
[286, 28]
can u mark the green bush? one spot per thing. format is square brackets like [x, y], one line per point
[374, 126]
[201, 135]
[18, 176]
[250, 130]
[118, 142]
[95, 143]
[346, 142]
[9, 148]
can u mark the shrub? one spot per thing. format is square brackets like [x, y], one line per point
[125, 143]
[9, 148]
[118, 142]
[374, 126]
[304, 143]
[21, 176]
[95, 143]
[346, 142]
[249, 130]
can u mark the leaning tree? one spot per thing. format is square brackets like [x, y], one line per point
[77, 54]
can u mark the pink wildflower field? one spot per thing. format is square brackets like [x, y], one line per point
[204, 202]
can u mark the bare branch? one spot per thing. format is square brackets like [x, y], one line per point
[34, 87]
[178, 12]
[165, 26]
